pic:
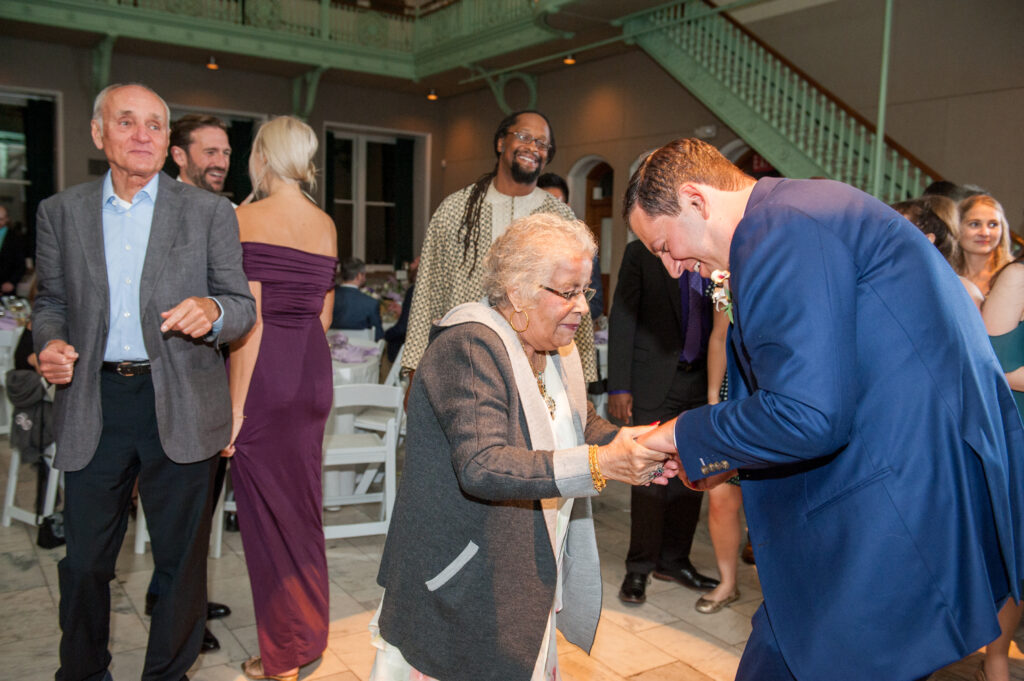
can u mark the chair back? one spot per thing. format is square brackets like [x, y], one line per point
[394, 376]
[369, 395]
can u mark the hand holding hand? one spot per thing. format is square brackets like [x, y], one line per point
[193, 317]
[626, 460]
[57, 362]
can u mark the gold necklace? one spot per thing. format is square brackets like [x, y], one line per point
[539, 375]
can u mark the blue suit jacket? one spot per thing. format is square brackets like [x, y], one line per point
[353, 309]
[880, 448]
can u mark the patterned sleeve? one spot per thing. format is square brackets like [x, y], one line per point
[430, 297]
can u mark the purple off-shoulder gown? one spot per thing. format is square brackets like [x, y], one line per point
[276, 467]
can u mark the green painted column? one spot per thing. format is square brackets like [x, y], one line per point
[877, 169]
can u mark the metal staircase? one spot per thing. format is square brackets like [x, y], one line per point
[794, 123]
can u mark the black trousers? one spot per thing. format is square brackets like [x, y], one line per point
[177, 501]
[663, 518]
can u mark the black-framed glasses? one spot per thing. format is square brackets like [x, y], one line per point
[569, 296]
[527, 138]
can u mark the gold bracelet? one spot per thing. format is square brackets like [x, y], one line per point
[595, 469]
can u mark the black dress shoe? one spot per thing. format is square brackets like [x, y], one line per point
[216, 610]
[210, 642]
[634, 588]
[687, 576]
[150, 603]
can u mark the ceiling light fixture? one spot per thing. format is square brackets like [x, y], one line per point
[212, 64]
[568, 60]
[432, 94]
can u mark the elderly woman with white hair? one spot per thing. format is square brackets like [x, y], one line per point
[492, 533]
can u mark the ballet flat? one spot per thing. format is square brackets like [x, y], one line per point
[253, 669]
[709, 607]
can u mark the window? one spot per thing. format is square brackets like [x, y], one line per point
[369, 188]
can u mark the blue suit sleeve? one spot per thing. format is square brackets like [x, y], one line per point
[795, 290]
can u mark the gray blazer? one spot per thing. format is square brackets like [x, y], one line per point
[468, 565]
[193, 251]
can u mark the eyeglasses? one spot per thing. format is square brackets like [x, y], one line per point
[527, 138]
[569, 296]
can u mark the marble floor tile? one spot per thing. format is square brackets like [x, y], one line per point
[355, 651]
[27, 615]
[677, 671]
[625, 653]
[20, 570]
[32, 658]
[576, 665]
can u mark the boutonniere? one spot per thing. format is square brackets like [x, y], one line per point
[720, 294]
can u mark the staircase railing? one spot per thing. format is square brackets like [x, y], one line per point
[831, 136]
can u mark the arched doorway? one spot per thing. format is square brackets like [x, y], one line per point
[591, 190]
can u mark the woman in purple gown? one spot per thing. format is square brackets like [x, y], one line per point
[280, 378]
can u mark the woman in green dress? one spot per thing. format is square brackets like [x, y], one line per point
[1003, 313]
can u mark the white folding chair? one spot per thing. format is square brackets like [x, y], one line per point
[8, 342]
[12, 512]
[366, 452]
[376, 418]
[224, 506]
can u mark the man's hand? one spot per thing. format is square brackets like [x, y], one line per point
[193, 317]
[57, 362]
[620, 407]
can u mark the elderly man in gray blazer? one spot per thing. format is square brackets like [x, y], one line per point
[139, 278]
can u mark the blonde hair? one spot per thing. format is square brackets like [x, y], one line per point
[529, 252]
[284, 147]
[1000, 255]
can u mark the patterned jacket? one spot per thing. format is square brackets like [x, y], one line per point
[444, 280]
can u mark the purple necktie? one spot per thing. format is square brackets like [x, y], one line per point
[692, 342]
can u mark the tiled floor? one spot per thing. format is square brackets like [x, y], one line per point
[662, 640]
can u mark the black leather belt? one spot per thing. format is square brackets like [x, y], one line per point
[128, 368]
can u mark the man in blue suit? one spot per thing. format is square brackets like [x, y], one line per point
[875, 435]
[353, 309]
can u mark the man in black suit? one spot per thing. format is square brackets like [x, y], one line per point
[353, 309]
[657, 368]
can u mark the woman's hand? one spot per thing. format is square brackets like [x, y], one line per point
[236, 428]
[626, 460]
[663, 439]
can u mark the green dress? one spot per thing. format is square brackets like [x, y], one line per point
[1009, 349]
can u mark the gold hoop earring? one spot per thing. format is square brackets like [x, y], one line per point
[525, 327]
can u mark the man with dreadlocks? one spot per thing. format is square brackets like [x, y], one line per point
[467, 223]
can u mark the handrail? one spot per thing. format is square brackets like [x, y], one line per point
[924, 167]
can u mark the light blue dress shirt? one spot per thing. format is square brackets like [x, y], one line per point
[126, 228]
[125, 237]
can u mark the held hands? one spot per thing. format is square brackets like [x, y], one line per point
[662, 439]
[57, 362]
[193, 317]
[626, 460]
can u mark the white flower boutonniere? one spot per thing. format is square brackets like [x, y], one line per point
[720, 294]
